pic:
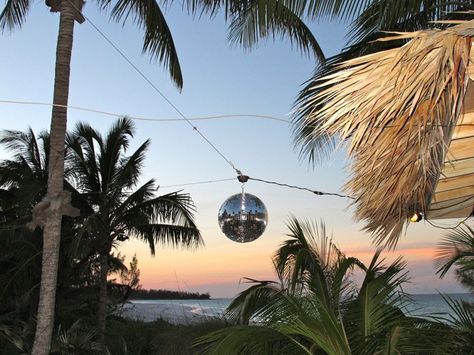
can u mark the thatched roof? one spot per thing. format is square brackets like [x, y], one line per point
[398, 110]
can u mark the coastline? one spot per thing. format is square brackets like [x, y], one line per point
[173, 312]
[194, 311]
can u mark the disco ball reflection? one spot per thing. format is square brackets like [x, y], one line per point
[243, 218]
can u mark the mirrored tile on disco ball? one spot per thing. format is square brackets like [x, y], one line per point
[243, 218]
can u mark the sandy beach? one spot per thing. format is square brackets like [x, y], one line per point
[174, 313]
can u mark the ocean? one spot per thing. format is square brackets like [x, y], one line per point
[423, 304]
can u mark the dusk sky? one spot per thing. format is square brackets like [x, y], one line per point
[219, 79]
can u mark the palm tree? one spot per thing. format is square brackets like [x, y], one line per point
[457, 250]
[118, 208]
[23, 180]
[158, 43]
[317, 309]
[23, 183]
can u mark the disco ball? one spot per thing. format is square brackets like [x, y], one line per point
[243, 218]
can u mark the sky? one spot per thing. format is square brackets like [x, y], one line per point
[219, 79]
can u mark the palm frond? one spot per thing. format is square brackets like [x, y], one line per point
[158, 41]
[262, 19]
[310, 318]
[308, 259]
[14, 14]
[457, 250]
[397, 109]
[462, 321]
[84, 158]
[249, 303]
[25, 147]
[76, 339]
[246, 340]
[144, 193]
[168, 234]
[115, 144]
[377, 309]
[312, 9]
[130, 168]
[390, 15]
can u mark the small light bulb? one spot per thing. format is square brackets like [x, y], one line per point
[416, 217]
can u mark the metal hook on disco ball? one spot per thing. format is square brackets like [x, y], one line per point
[243, 217]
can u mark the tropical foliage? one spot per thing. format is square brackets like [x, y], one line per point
[351, 98]
[318, 308]
[103, 183]
[116, 207]
[157, 42]
[456, 250]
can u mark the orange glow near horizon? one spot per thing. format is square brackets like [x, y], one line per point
[216, 270]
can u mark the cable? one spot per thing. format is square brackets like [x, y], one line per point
[194, 118]
[245, 178]
[154, 87]
[196, 183]
[320, 193]
[138, 118]
[316, 192]
[447, 227]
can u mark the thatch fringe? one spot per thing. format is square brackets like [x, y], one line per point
[397, 109]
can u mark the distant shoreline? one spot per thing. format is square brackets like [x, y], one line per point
[161, 294]
[194, 311]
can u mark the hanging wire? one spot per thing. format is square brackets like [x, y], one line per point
[183, 117]
[195, 183]
[316, 192]
[155, 88]
[146, 119]
[170, 119]
[244, 178]
[448, 227]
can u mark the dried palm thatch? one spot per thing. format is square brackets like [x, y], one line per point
[397, 109]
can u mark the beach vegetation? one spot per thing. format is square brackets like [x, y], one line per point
[158, 43]
[317, 307]
[103, 184]
[456, 251]
[116, 207]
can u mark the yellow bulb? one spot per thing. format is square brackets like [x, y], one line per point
[417, 216]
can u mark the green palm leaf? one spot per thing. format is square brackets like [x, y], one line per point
[158, 41]
[14, 14]
[262, 19]
[457, 250]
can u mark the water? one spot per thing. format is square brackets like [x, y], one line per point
[432, 304]
[209, 308]
[428, 304]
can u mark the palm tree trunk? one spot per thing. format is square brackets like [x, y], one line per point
[52, 227]
[103, 299]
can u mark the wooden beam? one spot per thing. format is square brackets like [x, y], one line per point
[466, 191]
[446, 184]
[457, 168]
[456, 203]
[454, 212]
[461, 149]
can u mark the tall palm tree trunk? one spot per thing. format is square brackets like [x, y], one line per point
[52, 225]
[103, 299]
